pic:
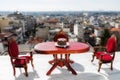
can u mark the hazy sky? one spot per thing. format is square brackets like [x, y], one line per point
[59, 5]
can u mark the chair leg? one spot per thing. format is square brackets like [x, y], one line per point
[32, 62]
[31, 55]
[111, 65]
[93, 56]
[26, 72]
[100, 64]
[14, 71]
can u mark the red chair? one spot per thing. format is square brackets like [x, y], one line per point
[108, 55]
[61, 34]
[18, 61]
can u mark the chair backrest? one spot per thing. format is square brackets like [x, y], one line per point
[61, 34]
[12, 48]
[111, 44]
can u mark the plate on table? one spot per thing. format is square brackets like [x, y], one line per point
[62, 46]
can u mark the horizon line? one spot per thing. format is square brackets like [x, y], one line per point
[63, 11]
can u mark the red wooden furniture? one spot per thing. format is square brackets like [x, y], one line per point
[61, 34]
[50, 48]
[16, 60]
[108, 55]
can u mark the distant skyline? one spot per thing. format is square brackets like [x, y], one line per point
[60, 5]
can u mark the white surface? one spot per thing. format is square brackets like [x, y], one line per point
[82, 65]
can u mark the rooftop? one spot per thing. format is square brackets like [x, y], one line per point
[82, 65]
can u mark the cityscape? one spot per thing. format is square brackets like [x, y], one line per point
[44, 25]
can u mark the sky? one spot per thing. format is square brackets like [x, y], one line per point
[59, 5]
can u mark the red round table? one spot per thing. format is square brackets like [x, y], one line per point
[51, 48]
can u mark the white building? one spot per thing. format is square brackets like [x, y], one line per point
[79, 31]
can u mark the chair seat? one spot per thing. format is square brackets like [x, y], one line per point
[97, 54]
[21, 61]
[105, 57]
[26, 57]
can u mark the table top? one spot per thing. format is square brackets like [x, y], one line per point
[51, 48]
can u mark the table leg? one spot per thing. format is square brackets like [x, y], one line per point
[70, 69]
[61, 62]
[68, 65]
[52, 68]
[54, 65]
[53, 61]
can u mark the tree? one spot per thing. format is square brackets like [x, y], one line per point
[104, 36]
